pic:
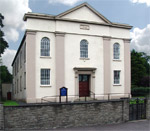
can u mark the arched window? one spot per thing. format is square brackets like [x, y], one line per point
[116, 51]
[45, 47]
[84, 49]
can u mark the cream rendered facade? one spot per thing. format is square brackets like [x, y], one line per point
[65, 32]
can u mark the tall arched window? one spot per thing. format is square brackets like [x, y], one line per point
[116, 51]
[84, 49]
[45, 47]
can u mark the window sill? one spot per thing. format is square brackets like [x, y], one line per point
[46, 57]
[45, 86]
[84, 58]
[116, 84]
[118, 60]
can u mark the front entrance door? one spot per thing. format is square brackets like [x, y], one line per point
[84, 85]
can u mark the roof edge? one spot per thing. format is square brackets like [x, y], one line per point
[47, 17]
[81, 5]
[22, 41]
[37, 15]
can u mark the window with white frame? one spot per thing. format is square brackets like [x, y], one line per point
[17, 86]
[24, 80]
[25, 52]
[20, 59]
[20, 83]
[18, 64]
[15, 68]
[84, 49]
[45, 47]
[116, 77]
[45, 76]
[116, 48]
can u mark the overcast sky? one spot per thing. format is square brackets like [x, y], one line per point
[132, 12]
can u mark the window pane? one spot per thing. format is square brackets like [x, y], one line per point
[84, 49]
[45, 47]
[45, 76]
[116, 51]
[116, 77]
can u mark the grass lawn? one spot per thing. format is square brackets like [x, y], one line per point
[134, 101]
[10, 103]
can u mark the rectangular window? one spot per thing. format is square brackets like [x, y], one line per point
[17, 64]
[20, 83]
[45, 76]
[116, 77]
[25, 53]
[15, 69]
[17, 86]
[24, 80]
[20, 59]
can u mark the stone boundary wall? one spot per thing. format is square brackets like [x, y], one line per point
[148, 109]
[1, 117]
[51, 116]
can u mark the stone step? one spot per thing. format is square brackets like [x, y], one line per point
[83, 99]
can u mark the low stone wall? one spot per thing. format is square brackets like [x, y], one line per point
[66, 115]
[1, 117]
[148, 109]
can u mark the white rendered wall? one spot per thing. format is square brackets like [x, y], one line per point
[117, 65]
[21, 94]
[40, 25]
[84, 13]
[72, 59]
[45, 62]
[73, 36]
[73, 27]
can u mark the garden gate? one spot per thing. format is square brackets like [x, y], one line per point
[137, 110]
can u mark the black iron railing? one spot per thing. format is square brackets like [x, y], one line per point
[91, 97]
[137, 110]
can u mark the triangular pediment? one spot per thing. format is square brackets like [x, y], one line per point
[83, 12]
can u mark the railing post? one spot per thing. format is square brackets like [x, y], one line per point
[60, 99]
[129, 95]
[137, 104]
[108, 96]
[145, 103]
[94, 96]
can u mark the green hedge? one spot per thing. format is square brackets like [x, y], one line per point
[140, 91]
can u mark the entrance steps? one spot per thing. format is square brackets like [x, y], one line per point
[85, 99]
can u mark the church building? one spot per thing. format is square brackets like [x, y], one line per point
[79, 49]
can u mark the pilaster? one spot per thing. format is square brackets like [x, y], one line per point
[107, 65]
[30, 67]
[127, 67]
[60, 60]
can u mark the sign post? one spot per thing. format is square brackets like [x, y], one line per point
[63, 92]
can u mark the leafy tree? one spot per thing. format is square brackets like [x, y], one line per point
[140, 68]
[3, 43]
[4, 74]
[145, 81]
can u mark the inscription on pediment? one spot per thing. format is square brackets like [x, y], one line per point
[84, 27]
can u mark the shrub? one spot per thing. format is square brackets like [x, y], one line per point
[140, 91]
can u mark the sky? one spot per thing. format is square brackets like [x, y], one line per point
[132, 12]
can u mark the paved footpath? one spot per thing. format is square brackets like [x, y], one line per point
[143, 125]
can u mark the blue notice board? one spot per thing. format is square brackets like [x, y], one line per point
[63, 91]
